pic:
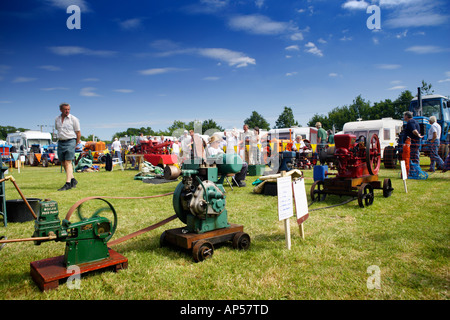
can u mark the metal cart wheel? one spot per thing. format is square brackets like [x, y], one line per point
[387, 188]
[202, 250]
[317, 191]
[365, 195]
[241, 241]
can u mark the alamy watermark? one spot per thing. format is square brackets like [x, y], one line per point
[74, 21]
[374, 280]
[374, 21]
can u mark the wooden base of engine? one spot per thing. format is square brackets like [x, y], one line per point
[202, 244]
[48, 273]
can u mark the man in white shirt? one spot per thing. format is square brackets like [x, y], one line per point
[434, 135]
[69, 135]
[117, 148]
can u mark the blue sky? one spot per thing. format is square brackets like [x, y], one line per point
[148, 63]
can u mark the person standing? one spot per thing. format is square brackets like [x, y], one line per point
[412, 131]
[117, 148]
[434, 136]
[69, 135]
[321, 139]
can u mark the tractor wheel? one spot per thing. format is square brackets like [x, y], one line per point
[389, 158]
[202, 250]
[365, 195]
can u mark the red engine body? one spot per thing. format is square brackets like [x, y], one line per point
[157, 153]
[351, 156]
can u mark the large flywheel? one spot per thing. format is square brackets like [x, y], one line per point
[373, 155]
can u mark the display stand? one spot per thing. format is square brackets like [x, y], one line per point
[48, 273]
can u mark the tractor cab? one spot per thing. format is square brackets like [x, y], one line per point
[425, 107]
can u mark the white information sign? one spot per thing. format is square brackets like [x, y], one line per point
[301, 202]
[284, 192]
[404, 174]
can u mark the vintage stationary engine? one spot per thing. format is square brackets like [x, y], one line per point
[358, 163]
[199, 199]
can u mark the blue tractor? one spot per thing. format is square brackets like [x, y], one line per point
[423, 107]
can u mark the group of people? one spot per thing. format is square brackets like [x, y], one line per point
[434, 135]
[246, 144]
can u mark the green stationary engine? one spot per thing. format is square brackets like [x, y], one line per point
[86, 240]
[199, 199]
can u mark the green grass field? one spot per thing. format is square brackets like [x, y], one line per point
[406, 236]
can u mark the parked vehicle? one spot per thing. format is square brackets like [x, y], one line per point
[423, 107]
[387, 130]
[29, 143]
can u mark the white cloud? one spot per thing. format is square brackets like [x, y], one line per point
[321, 41]
[74, 50]
[54, 88]
[298, 36]
[447, 73]
[445, 80]
[257, 24]
[345, 38]
[63, 4]
[211, 78]
[293, 47]
[388, 66]
[397, 88]
[23, 79]
[123, 90]
[259, 3]
[89, 92]
[355, 5]
[414, 13]
[332, 74]
[425, 49]
[50, 68]
[311, 48]
[155, 71]
[290, 74]
[131, 24]
[233, 58]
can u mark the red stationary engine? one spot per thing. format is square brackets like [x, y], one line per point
[355, 157]
[155, 152]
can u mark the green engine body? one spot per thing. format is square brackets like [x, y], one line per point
[86, 240]
[199, 199]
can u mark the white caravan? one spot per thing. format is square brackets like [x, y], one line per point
[387, 130]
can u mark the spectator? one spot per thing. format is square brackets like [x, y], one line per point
[412, 131]
[69, 135]
[434, 136]
[330, 139]
[321, 138]
[116, 146]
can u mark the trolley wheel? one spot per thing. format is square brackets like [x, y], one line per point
[387, 188]
[241, 241]
[202, 250]
[162, 240]
[365, 195]
[389, 158]
[317, 191]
